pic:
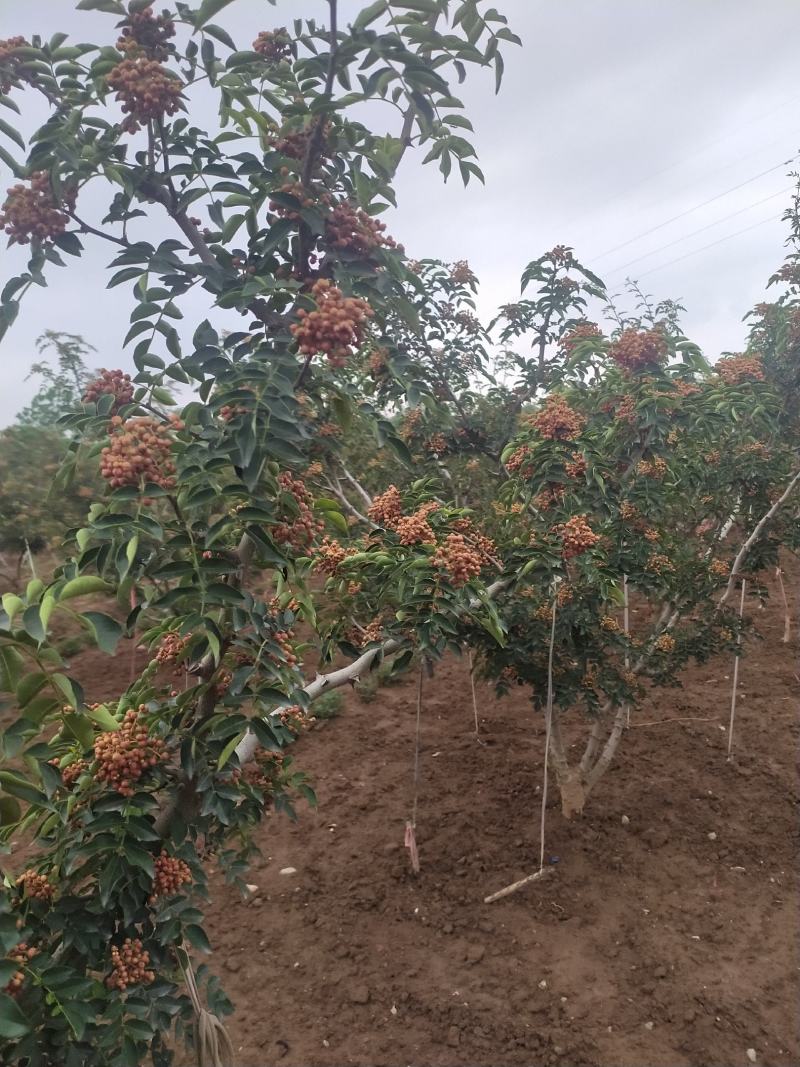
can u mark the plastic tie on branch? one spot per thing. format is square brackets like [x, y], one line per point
[411, 845]
[212, 1045]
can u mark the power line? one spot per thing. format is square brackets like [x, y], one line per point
[705, 248]
[702, 229]
[689, 158]
[691, 210]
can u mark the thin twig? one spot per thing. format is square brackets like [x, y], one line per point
[736, 672]
[687, 718]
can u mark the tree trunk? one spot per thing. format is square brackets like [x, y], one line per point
[570, 780]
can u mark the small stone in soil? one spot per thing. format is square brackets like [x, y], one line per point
[475, 953]
[660, 972]
[649, 1025]
[359, 994]
[751, 1055]
[288, 870]
[233, 965]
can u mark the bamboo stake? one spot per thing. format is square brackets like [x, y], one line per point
[474, 697]
[411, 824]
[626, 626]
[736, 673]
[542, 872]
[787, 621]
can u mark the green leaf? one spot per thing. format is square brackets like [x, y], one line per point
[107, 631]
[11, 605]
[228, 751]
[13, 1024]
[87, 583]
[196, 936]
[19, 787]
[207, 10]
[11, 665]
[103, 717]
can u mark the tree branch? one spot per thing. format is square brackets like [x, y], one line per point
[742, 553]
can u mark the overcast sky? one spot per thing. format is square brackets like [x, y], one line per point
[615, 116]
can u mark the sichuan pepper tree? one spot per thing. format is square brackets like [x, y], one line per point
[590, 459]
[211, 525]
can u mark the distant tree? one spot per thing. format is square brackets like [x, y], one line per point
[62, 386]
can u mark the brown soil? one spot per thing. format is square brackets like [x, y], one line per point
[668, 940]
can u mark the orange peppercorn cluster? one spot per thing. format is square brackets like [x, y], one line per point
[459, 559]
[377, 363]
[314, 470]
[170, 874]
[655, 468]
[139, 451]
[576, 468]
[664, 643]
[740, 368]
[36, 886]
[686, 388]
[658, 563]
[124, 755]
[719, 568]
[261, 772]
[298, 191]
[415, 529]
[410, 423]
[517, 459]
[171, 648]
[583, 331]
[461, 273]
[650, 533]
[294, 144]
[110, 383]
[557, 421]
[628, 512]
[484, 545]
[635, 349]
[562, 256]
[387, 508]
[335, 328]
[33, 212]
[350, 227]
[10, 63]
[329, 429]
[147, 34]
[21, 954]
[373, 631]
[145, 90]
[130, 965]
[625, 411]
[577, 536]
[610, 624]
[273, 45]
[330, 556]
[293, 718]
[299, 531]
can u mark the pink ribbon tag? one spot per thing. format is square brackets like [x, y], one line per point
[411, 845]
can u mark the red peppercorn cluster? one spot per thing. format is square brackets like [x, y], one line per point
[145, 90]
[222, 683]
[577, 536]
[36, 886]
[10, 63]
[550, 497]
[33, 212]
[139, 451]
[124, 755]
[335, 328]
[284, 638]
[576, 468]
[686, 388]
[299, 531]
[635, 349]
[459, 559]
[263, 770]
[655, 468]
[557, 421]
[21, 954]
[658, 563]
[583, 331]
[170, 874]
[72, 772]
[130, 965]
[387, 508]
[484, 545]
[111, 382]
[740, 368]
[293, 718]
[377, 363]
[437, 444]
[273, 45]
[147, 34]
[561, 256]
[664, 643]
[348, 226]
[461, 273]
[517, 459]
